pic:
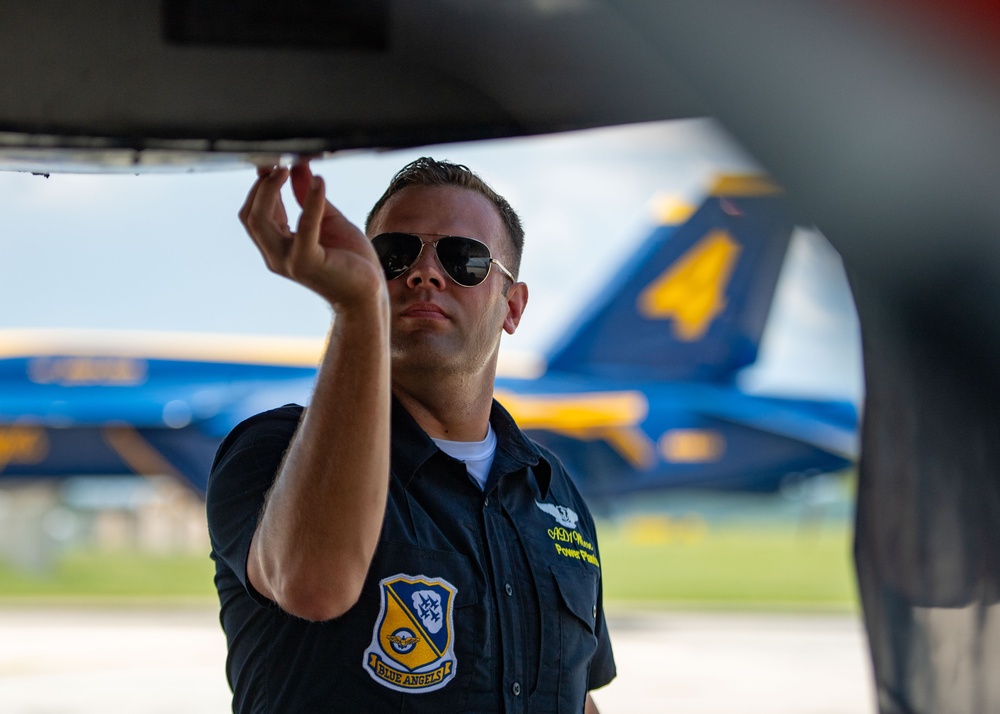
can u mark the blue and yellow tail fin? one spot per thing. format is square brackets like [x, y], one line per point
[693, 300]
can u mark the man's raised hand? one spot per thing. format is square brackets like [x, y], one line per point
[326, 253]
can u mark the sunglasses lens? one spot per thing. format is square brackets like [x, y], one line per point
[396, 252]
[466, 260]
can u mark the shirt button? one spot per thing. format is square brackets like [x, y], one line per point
[509, 589]
[515, 688]
[595, 611]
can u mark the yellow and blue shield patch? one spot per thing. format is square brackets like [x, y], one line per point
[413, 642]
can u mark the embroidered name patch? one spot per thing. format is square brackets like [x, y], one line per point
[569, 542]
[413, 643]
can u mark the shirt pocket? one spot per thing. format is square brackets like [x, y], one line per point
[577, 598]
[403, 575]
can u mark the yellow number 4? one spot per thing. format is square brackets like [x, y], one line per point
[692, 291]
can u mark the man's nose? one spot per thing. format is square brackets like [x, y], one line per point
[426, 269]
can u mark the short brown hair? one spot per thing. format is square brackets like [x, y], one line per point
[426, 171]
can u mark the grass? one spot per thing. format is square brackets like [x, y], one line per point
[649, 562]
[656, 562]
[92, 575]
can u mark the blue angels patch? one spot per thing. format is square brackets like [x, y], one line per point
[413, 643]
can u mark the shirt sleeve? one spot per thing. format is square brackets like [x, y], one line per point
[602, 666]
[244, 470]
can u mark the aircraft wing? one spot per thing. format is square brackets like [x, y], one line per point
[120, 85]
[828, 425]
[74, 404]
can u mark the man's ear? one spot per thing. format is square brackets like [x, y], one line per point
[517, 299]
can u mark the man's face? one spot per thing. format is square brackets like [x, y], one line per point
[436, 323]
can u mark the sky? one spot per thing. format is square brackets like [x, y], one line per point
[165, 252]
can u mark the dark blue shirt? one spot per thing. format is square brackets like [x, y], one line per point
[476, 600]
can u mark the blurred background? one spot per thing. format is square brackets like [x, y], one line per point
[684, 570]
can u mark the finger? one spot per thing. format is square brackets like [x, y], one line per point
[263, 172]
[307, 234]
[244, 212]
[302, 176]
[264, 199]
[264, 216]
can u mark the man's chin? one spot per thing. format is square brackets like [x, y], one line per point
[426, 354]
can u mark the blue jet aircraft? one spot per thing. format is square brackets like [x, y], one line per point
[640, 394]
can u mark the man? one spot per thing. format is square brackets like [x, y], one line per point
[400, 545]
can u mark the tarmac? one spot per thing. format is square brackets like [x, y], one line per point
[163, 661]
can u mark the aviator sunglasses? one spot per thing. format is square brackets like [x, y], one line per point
[466, 261]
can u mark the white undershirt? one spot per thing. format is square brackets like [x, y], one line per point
[477, 455]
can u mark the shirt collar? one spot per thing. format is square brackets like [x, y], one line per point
[411, 447]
